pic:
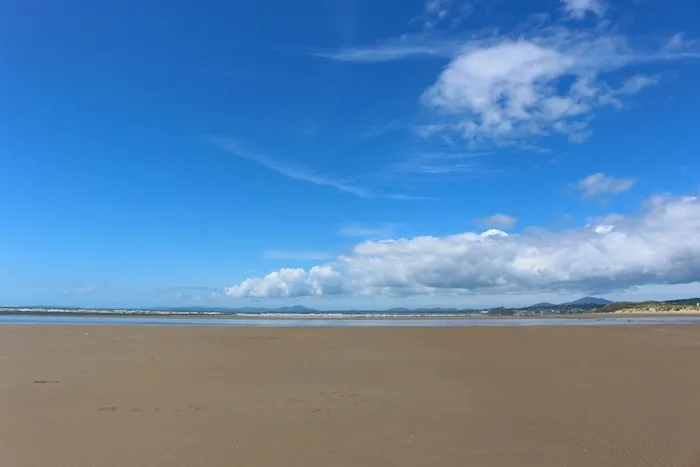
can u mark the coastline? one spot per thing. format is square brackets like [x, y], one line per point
[364, 321]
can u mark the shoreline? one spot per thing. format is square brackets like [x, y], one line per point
[370, 321]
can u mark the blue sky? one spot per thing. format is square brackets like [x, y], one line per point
[347, 153]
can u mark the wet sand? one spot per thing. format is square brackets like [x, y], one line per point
[73, 396]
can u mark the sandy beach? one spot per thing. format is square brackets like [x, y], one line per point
[73, 396]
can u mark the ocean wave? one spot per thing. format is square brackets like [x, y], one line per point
[348, 315]
[234, 314]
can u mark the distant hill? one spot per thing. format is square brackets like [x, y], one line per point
[295, 309]
[208, 309]
[424, 310]
[589, 301]
[441, 310]
[580, 301]
[685, 301]
[219, 309]
[667, 306]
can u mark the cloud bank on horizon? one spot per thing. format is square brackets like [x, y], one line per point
[658, 246]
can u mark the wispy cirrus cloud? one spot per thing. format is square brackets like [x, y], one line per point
[500, 221]
[434, 12]
[405, 197]
[403, 47]
[438, 12]
[289, 170]
[679, 42]
[578, 9]
[381, 129]
[636, 83]
[443, 163]
[600, 184]
[429, 43]
[383, 230]
[299, 172]
[436, 18]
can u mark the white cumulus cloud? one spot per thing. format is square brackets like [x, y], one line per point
[660, 245]
[600, 184]
[603, 228]
[507, 89]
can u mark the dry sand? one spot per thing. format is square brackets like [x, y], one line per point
[73, 396]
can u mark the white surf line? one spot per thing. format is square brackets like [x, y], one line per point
[377, 322]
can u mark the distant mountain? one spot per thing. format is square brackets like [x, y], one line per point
[541, 305]
[589, 301]
[295, 309]
[422, 310]
[247, 309]
[441, 310]
[209, 309]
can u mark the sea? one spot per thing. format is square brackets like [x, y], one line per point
[313, 319]
[234, 314]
